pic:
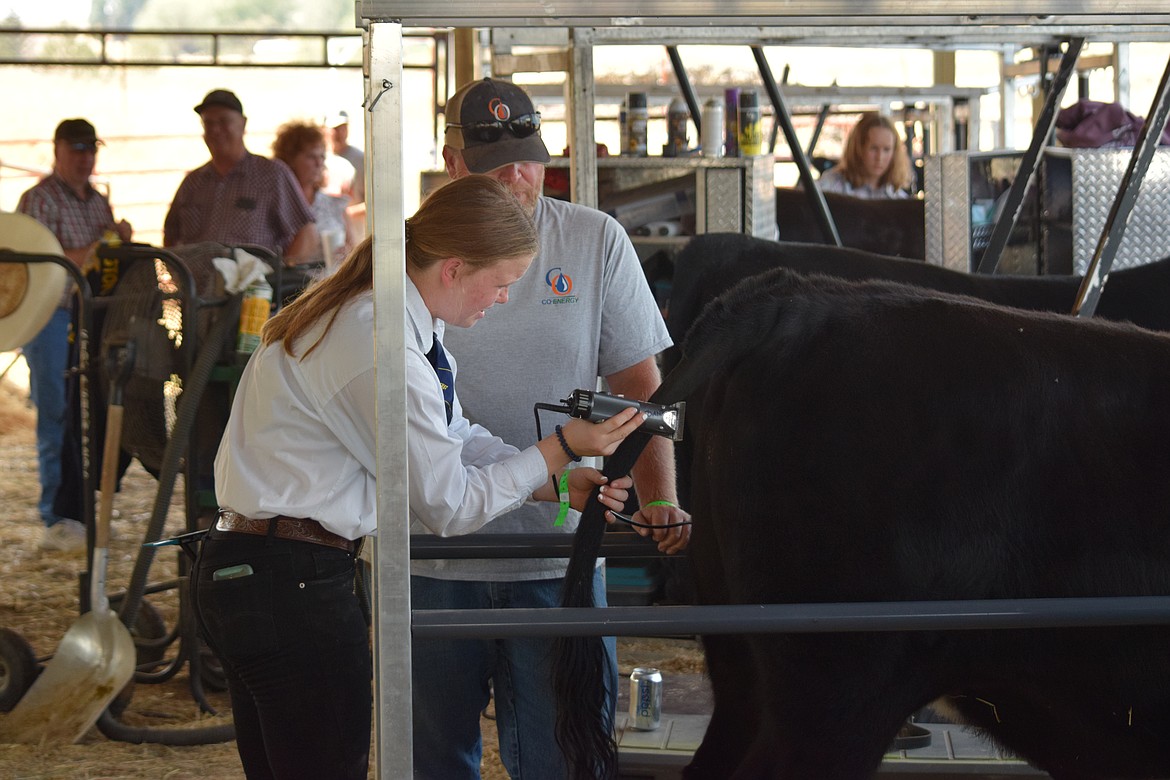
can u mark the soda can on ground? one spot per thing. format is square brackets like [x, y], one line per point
[645, 699]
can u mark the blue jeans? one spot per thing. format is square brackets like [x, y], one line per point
[451, 679]
[295, 649]
[47, 356]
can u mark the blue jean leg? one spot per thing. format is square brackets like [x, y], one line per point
[47, 356]
[451, 680]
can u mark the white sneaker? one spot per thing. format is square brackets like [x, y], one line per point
[64, 535]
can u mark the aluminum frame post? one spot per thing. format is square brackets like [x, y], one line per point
[579, 87]
[391, 581]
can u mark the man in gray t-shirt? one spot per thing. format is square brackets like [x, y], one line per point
[583, 310]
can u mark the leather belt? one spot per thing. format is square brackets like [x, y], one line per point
[297, 529]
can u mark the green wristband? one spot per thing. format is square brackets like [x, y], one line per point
[660, 503]
[564, 496]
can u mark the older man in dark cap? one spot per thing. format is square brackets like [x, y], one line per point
[79, 216]
[583, 310]
[238, 197]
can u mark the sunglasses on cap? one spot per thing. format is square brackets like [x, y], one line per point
[491, 130]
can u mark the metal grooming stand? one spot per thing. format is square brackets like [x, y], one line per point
[115, 262]
[942, 24]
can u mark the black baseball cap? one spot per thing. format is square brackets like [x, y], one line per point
[220, 97]
[78, 133]
[491, 101]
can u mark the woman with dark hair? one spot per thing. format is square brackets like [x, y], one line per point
[874, 165]
[301, 146]
[295, 479]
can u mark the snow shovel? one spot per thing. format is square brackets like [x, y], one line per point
[96, 657]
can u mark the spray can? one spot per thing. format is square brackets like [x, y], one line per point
[103, 275]
[713, 128]
[677, 116]
[636, 117]
[751, 130]
[731, 128]
[254, 311]
[645, 699]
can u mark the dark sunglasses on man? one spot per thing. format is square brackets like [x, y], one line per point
[491, 130]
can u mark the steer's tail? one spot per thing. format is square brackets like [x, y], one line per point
[585, 727]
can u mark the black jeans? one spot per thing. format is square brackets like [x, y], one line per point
[294, 645]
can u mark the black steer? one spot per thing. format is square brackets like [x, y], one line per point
[711, 263]
[875, 442]
[892, 227]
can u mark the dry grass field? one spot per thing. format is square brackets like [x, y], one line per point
[39, 600]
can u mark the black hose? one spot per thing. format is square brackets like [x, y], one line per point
[115, 729]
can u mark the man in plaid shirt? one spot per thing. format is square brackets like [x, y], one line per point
[238, 197]
[67, 204]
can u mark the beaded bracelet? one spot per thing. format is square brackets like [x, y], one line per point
[660, 503]
[565, 446]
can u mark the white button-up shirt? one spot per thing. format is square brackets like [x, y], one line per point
[300, 439]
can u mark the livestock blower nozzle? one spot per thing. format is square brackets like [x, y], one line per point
[660, 420]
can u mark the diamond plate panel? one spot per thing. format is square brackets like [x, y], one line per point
[1096, 175]
[722, 202]
[958, 185]
[955, 211]
[760, 212]
[932, 208]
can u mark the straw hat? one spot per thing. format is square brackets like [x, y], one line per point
[29, 292]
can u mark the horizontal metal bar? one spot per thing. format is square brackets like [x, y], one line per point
[1032, 67]
[792, 618]
[165, 63]
[617, 545]
[890, 32]
[129, 33]
[660, 12]
[900, 32]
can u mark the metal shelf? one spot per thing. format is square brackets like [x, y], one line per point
[946, 24]
[656, 163]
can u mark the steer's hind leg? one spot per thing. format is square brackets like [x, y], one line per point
[831, 705]
[737, 713]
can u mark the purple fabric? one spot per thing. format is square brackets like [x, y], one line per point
[1090, 124]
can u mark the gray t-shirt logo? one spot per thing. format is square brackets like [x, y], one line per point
[561, 286]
